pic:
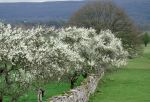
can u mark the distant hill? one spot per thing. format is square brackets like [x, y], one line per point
[138, 10]
[38, 11]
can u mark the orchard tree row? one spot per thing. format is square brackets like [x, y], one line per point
[32, 57]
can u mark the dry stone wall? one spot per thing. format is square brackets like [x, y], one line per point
[81, 93]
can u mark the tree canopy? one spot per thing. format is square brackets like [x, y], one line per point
[103, 15]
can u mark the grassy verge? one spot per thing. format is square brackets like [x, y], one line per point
[130, 84]
[51, 89]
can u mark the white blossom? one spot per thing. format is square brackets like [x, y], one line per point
[40, 53]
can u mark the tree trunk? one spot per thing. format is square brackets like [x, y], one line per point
[43, 93]
[72, 84]
[85, 74]
[145, 44]
[39, 95]
[73, 81]
[1, 98]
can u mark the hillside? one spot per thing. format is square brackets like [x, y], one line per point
[38, 11]
[138, 10]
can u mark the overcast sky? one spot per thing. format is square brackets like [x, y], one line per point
[33, 0]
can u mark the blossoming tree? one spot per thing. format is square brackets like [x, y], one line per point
[31, 56]
[97, 50]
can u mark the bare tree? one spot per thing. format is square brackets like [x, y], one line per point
[104, 14]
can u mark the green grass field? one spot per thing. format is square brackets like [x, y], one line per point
[52, 89]
[130, 84]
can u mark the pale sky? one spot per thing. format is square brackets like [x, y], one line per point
[33, 0]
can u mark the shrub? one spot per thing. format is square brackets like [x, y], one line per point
[146, 39]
